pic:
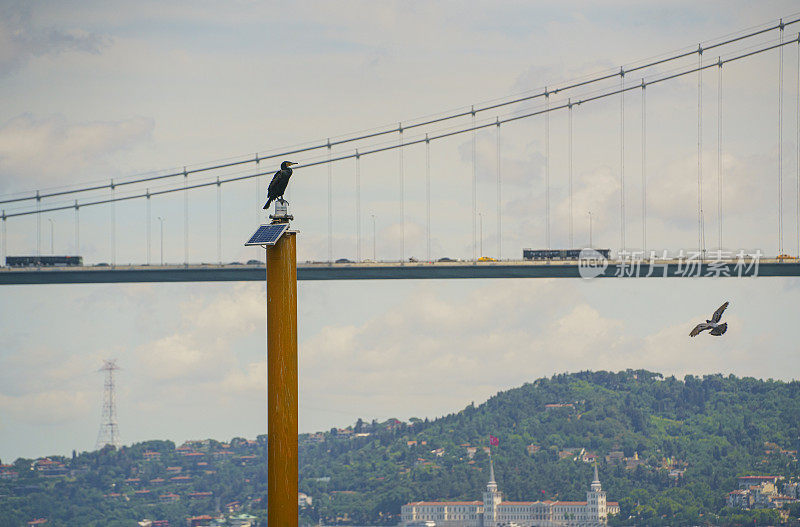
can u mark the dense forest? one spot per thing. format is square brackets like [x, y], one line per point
[668, 450]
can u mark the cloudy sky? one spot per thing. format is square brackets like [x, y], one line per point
[95, 91]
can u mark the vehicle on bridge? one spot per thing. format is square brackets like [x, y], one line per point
[558, 254]
[44, 261]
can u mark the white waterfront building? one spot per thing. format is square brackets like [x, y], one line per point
[494, 512]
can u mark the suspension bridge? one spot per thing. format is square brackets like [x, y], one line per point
[120, 214]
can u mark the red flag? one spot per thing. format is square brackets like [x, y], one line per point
[493, 440]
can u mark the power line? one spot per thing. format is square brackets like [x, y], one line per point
[328, 144]
[422, 140]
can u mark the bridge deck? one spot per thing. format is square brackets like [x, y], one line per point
[377, 271]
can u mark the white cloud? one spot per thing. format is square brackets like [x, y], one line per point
[202, 347]
[50, 407]
[50, 150]
[214, 81]
[21, 40]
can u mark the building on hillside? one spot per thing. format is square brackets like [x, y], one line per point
[745, 482]
[199, 521]
[761, 492]
[304, 500]
[740, 499]
[494, 512]
[242, 520]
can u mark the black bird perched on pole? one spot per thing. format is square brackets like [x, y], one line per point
[716, 328]
[278, 184]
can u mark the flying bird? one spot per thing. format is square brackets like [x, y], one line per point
[278, 184]
[716, 328]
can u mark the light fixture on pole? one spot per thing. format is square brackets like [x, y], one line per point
[480, 218]
[161, 220]
[52, 222]
[373, 238]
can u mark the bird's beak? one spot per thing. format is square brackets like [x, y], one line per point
[292, 163]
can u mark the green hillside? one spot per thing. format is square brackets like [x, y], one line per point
[707, 431]
[668, 450]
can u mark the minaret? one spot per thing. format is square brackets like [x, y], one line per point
[596, 483]
[596, 500]
[492, 486]
[491, 499]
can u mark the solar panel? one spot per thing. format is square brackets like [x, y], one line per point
[267, 234]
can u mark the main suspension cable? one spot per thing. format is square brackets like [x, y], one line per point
[328, 144]
[510, 119]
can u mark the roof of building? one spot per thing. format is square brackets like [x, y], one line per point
[448, 503]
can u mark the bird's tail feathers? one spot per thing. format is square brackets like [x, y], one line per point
[268, 203]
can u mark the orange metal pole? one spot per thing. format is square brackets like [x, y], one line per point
[282, 382]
